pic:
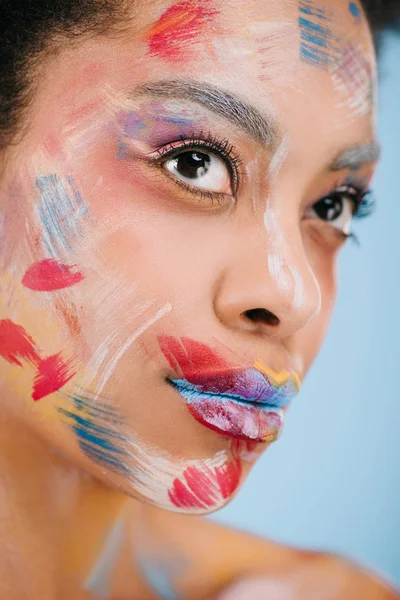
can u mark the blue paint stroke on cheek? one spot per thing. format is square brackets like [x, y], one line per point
[355, 10]
[316, 39]
[62, 211]
[96, 427]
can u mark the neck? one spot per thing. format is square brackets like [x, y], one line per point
[54, 518]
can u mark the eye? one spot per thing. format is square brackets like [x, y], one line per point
[201, 169]
[338, 209]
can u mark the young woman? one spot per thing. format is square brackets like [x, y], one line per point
[177, 179]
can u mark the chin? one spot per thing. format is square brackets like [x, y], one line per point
[200, 486]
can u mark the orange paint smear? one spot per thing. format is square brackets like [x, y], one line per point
[178, 27]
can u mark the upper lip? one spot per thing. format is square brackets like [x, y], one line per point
[247, 385]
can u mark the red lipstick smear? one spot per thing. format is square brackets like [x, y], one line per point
[191, 359]
[49, 275]
[205, 488]
[177, 27]
[16, 344]
[53, 373]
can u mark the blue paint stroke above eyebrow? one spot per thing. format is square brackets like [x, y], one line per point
[61, 210]
[355, 10]
[95, 426]
[316, 39]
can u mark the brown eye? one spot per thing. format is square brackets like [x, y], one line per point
[193, 165]
[337, 210]
[329, 209]
[201, 169]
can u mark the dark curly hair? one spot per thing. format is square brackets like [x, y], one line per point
[29, 27]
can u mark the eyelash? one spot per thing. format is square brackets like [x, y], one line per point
[364, 199]
[220, 147]
[364, 202]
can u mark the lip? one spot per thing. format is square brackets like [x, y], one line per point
[231, 416]
[242, 403]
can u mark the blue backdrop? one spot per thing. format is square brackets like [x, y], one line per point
[336, 485]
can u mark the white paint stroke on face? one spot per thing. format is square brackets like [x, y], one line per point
[299, 291]
[62, 213]
[353, 81]
[153, 473]
[112, 363]
[278, 160]
[285, 274]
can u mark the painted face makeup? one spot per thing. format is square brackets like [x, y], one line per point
[242, 403]
[158, 203]
[317, 46]
[49, 275]
[18, 348]
[172, 36]
[322, 46]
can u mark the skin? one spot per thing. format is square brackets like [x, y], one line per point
[136, 257]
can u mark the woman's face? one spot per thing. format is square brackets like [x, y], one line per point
[169, 229]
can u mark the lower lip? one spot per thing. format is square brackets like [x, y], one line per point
[231, 417]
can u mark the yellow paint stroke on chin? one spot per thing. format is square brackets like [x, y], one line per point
[278, 378]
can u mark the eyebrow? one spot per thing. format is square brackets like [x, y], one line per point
[356, 157]
[262, 128]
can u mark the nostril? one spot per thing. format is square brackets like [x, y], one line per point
[263, 316]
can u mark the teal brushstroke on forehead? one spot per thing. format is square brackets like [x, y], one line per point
[355, 10]
[317, 43]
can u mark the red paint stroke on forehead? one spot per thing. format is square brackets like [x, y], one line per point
[204, 488]
[16, 344]
[53, 373]
[49, 275]
[191, 358]
[179, 25]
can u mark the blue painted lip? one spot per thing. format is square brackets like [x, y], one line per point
[259, 392]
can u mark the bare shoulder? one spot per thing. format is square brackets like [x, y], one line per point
[222, 555]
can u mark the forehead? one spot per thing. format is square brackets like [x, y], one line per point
[308, 64]
[276, 41]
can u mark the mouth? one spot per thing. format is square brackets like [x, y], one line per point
[242, 403]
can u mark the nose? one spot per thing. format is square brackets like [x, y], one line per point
[267, 289]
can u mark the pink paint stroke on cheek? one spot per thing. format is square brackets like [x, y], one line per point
[17, 346]
[205, 488]
[179, 26]
[49, 275]
[53, 373]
